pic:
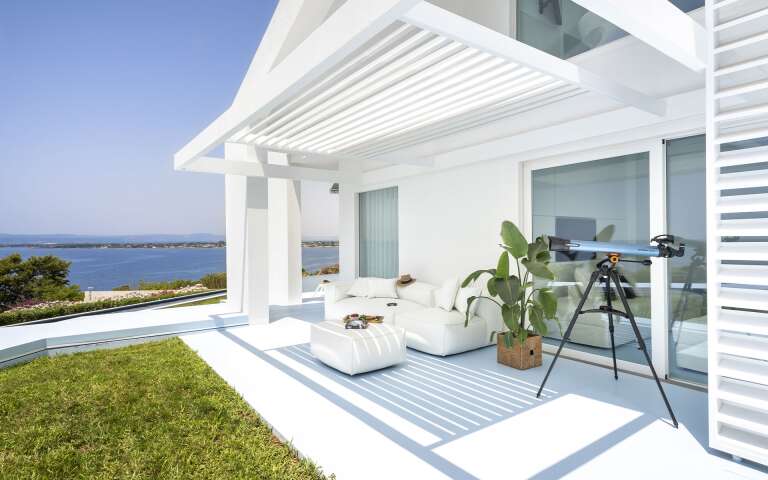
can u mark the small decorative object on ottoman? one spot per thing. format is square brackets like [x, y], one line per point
[365, 318]
[354, 351]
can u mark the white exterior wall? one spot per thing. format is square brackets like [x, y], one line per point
[449, 218]
[449, 222]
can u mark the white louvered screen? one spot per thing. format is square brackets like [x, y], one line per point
[737, 226]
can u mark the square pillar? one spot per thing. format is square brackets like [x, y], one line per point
[284, 236]
[348, 223]
[247, 228]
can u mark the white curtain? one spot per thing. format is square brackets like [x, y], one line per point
[378, 233]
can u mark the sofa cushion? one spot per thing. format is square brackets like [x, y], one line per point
[419, 292]
[437, 332]
[463, 296]
[445, 296]
[433, 315]
[335, 291]
[370, 306]
[359, 288]
[382, 288]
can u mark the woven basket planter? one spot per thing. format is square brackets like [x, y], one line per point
[521, 357]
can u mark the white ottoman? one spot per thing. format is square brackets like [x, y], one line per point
[357, 351]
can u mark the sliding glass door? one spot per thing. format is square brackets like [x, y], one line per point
[605, 200]
[630, 194]
[378, 234]
[686, 218]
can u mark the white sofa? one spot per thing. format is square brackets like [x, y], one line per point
[428, 328]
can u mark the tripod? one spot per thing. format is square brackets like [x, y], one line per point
[606, 269]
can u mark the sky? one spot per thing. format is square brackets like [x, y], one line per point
[95, 98]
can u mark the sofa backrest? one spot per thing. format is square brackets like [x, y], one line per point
[419, 292]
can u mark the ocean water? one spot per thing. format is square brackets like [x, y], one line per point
[107, 268]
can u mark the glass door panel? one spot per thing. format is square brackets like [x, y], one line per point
[607, 200]
[686, 218]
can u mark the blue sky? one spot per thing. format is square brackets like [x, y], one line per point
[95, 98]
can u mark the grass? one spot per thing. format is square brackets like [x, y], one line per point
[207, 301]
[154, 410]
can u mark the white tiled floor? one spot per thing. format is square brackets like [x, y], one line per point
[463, 416]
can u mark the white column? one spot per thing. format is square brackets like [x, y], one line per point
[234, 214]
[348, 224]
[284, 237]
[247, 239]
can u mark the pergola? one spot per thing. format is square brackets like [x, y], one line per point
[377, 77]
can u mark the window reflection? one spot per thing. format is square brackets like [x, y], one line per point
[686, 218]
[605, 200]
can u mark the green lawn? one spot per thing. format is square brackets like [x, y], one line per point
[154, 410]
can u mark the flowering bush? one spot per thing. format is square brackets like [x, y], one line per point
[43, 310]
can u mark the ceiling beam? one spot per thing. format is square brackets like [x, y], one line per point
[305, 155]
[404, 160]
[658, 23]
[267, 170]
[430, 17]
[350, 27]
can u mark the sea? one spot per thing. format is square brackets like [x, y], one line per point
[107, 268]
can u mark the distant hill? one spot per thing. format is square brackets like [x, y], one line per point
[11, 238]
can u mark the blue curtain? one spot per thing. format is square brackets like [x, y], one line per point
[378, 233]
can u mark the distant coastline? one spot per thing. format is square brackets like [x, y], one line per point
[117, 245]
[217, 244]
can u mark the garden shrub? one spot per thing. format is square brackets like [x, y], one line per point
[12, 317]
[215, 281]
[167, 285]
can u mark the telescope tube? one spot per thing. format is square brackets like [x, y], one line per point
[562, 245]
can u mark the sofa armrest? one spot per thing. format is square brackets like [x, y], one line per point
[336, 291]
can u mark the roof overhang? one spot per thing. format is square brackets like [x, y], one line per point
[377, 77]
[659, 24]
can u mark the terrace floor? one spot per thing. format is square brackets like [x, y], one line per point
[463, 416]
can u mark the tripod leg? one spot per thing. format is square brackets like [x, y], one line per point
[610, 324]
[641, 342]
[568, 330]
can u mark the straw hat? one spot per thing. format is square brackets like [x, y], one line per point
[405, 280]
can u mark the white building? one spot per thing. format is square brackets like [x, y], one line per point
[439, 119]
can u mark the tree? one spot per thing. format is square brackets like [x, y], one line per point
[37, 278]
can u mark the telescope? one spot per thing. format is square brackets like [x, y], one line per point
[660, 246]
[606, 273]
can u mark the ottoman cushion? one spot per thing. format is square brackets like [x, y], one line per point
[357, 351]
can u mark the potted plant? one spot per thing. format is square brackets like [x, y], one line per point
[524, 305]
